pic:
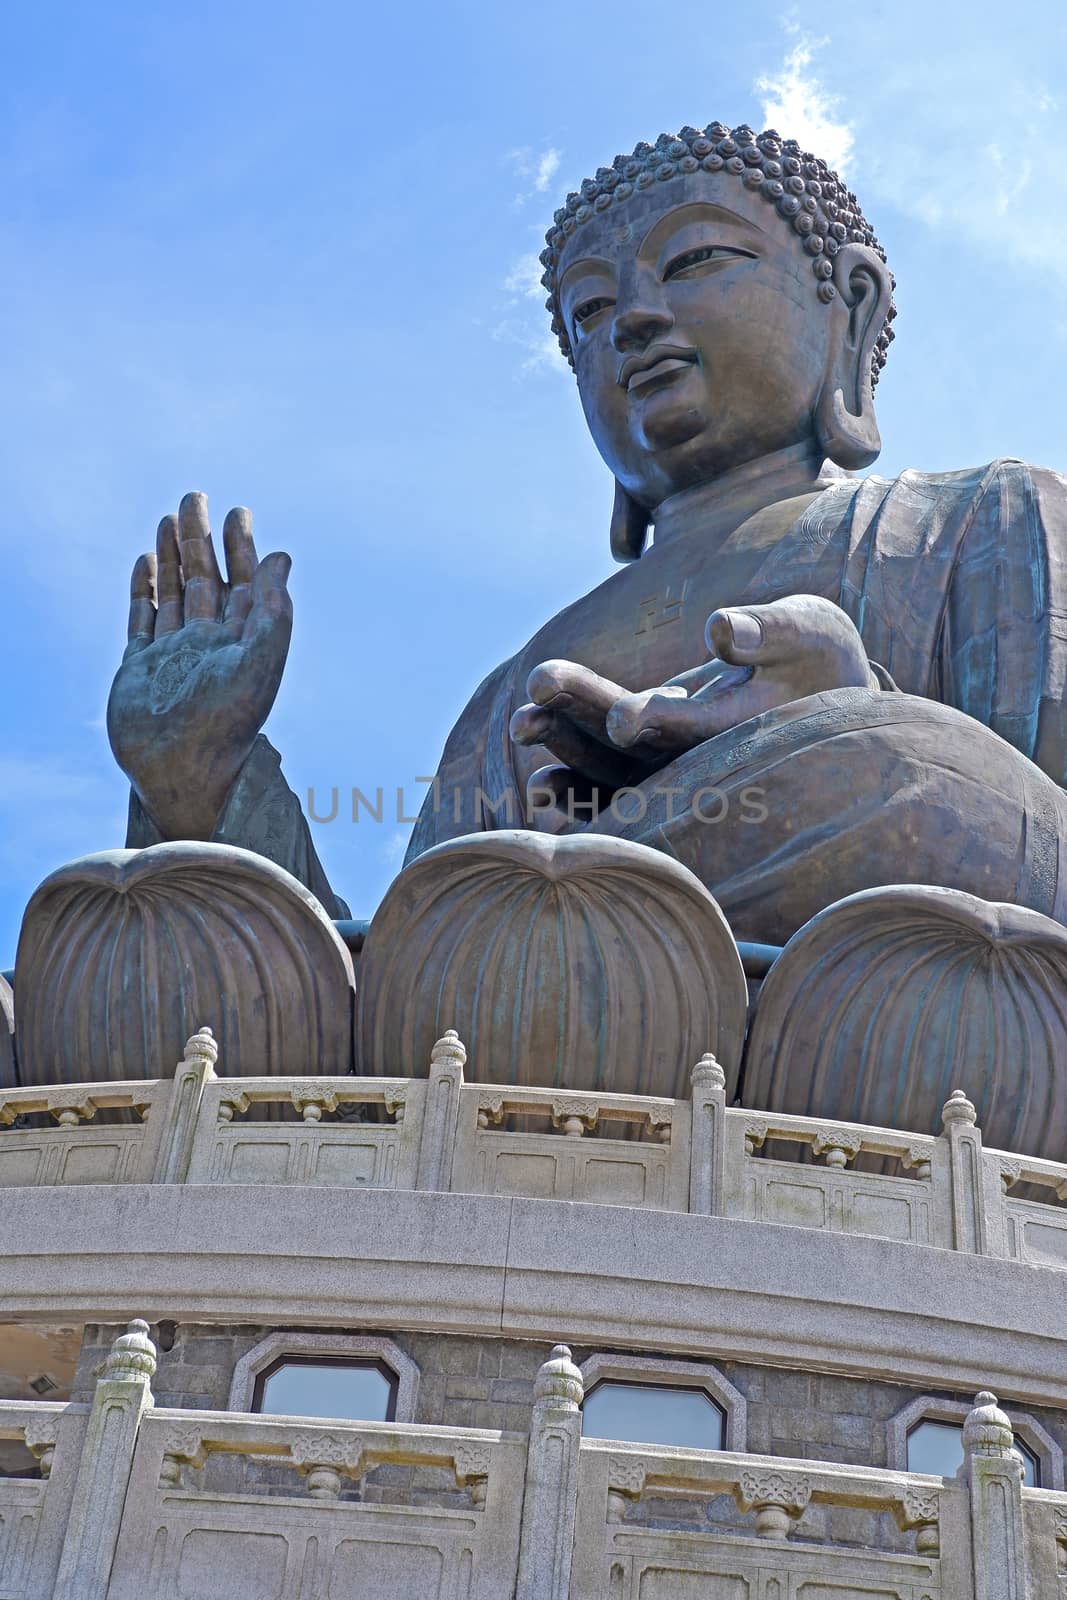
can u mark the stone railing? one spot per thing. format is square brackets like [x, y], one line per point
[440, 1133]
[134, 1501]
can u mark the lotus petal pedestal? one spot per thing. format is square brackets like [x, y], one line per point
[123, 955]
[579, 962]
[889, 1000]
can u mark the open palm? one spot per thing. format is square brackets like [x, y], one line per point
[202, 667]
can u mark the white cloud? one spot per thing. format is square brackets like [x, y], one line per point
[525, 278]
[547, 167]
[800, 108]
[536, 169]
[540, 345]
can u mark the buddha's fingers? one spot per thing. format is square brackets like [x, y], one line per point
[583, 695]
[200, 568]
[799, 628]
[170, 611]
[269, 625]
[532, 725]
[142, 625]
[241, 563]
[666, 720]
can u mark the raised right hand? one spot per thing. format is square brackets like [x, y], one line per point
[202, 667]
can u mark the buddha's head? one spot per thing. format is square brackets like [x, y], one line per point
[721, 297]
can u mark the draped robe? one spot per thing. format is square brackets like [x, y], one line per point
[957, 583]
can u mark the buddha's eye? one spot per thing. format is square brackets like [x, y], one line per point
[589, 308]
[700, 256]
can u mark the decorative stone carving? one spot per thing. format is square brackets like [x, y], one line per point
[988, 1430]
[123, 955]
[39, 1435]
[472, 1463]
[880, 1003]
[8, 1075]
[921, 1509]
[322, 1459]
[777, 1498]
[838, 1145]
[181, 1447]
[132, 1355]
[592, 962]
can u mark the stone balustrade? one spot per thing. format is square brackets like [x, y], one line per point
[136, 1500]
[440, 1133]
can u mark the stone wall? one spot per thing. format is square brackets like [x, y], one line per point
[488, 1383]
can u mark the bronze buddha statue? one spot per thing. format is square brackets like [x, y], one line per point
[808, 683]
[815, 709]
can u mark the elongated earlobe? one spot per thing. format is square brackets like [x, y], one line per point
[629, 527]
[850, 441]
[859, 301]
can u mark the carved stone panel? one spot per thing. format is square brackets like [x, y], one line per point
[123, 955]
[580, 960]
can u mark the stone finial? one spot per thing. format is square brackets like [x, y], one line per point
[558, 1385]
[201, 1047]
[133, 1355]
[958, 1108]
[988, 1430]
[707, 1074]
[449, 1051]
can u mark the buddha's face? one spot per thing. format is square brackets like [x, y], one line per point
[699, 339]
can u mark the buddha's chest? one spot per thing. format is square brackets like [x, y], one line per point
[648, 624]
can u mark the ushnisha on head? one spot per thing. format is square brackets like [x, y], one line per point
[721, 297]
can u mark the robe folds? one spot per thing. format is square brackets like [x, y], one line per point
[957, 583]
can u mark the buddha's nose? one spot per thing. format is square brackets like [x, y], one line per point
[636, 326]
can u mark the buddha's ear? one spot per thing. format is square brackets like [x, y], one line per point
[629, 526]
[845, 419]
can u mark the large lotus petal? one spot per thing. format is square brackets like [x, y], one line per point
[578, 962]
[123, 955]
[883, 1004]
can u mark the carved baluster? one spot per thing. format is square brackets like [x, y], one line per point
[321, 1460]
[626, 1485]
[921, 1509]
[233, 1102]
[755, 1137]
[575, 1117]
[40, 1439]
[1010, 1173]
[312, 1102]
[838, 1145]
[70, 1109]
[779, 1499]
[182, 1448]
[472, 1463]
[490, 1110]
[918, 1159]
[659, 1120]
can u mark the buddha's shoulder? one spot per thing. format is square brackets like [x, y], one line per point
[974, 483]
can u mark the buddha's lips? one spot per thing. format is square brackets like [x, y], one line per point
[659, 362]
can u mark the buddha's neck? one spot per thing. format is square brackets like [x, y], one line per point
[715, 509]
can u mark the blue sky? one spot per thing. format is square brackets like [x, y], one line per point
[283, 253]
